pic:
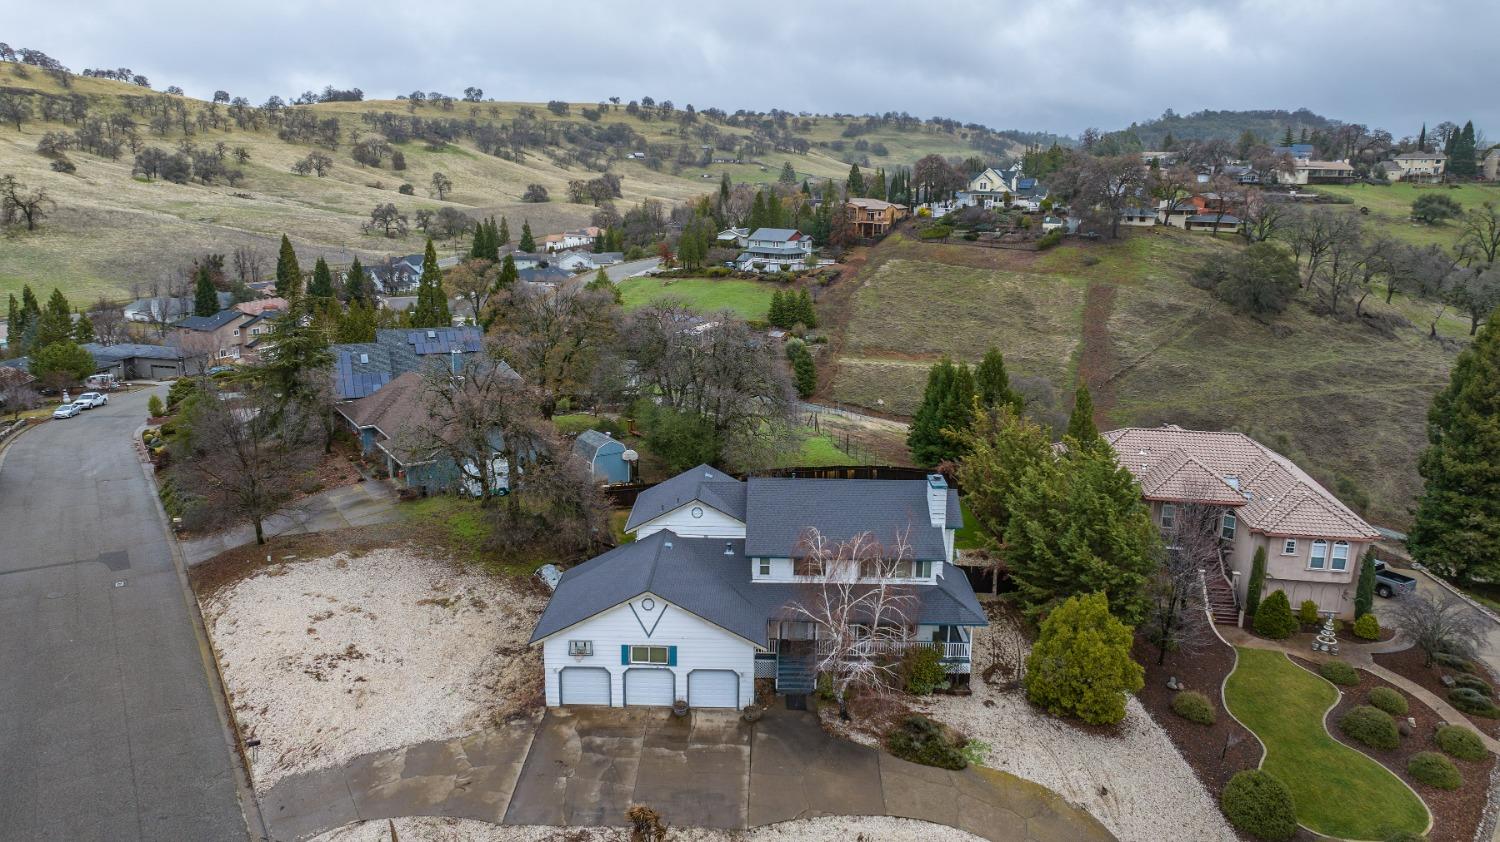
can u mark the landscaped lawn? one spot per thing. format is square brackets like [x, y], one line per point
[968, 538]
[817, 451]
[1338, 791]
[749, 299]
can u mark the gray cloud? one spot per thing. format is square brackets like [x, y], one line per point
[1058, 66]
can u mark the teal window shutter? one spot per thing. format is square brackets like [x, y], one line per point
[625, 654]
[671, 656]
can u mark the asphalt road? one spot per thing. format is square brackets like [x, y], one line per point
[621, 271]
[108, 726]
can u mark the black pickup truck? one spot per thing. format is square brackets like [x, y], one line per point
[1389, 583]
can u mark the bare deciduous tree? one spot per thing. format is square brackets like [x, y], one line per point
[1437, 624]
[17, 395]
[1177, 620]
[475, 281]
[858, 596]
[109, 321]
[249, 265]
[19, 203]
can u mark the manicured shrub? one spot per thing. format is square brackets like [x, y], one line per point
[1081, 664]
[1474, 682]
[1453, 662]
[154, 407]
[1274, 618]
[1389, 701]
[923, 670]
[1339, 673]
[1194, 707]
[1259, 804]
[1307, 613]
[1435, 770]
[923, 741]
[1367, 628]
[1473, 702]
[1371, 726]
[1461, 742]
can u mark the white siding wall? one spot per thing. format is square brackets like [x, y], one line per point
[713, 524]
[700, 645]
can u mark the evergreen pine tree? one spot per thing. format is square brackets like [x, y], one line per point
[356, 283]
[804, 371]
[601, 283]
[805, 312]
[788, 175]
[1461, 159]
[877, 185]
[322, 281]
[1364, 592]
[946, 412]
[83, 329]
[478, 248]
[1257, 581]
[508, 274]
[856, 183]
[1081, 421]
[356, 323]
[806, 190]
[205, 297]
[993, 383]
[1457, 527]
[431, 309]
[14, 322]
[776, 315]
[527, 243]
[1422, 139]
[288, 273]
[1287, 139]
[504, 238]
[55, 324]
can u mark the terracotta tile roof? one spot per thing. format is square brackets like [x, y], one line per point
[1271, 493]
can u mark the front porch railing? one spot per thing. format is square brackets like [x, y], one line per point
[871, 648]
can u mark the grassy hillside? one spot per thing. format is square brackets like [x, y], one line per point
[1390, 207]
[1344, 400]
[111, 232]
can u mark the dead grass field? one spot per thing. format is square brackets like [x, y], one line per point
[1346, 401]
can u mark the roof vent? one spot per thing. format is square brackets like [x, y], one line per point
[1234, 481]
[668, 545]
[364, 358]
[728, 548]
[431, 334]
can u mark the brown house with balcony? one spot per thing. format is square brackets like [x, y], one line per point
[873, 218]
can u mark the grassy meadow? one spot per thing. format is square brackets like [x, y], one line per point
[1390, 207]
[749, 299]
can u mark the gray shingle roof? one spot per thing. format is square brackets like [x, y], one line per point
[684, 488]
[361, 368]
[783, 234]
[129, 350]
[698, 575]
[779, 509]
[589, 442]
[214, 322]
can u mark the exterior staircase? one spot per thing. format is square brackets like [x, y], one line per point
[1221, 602]
[794, 676]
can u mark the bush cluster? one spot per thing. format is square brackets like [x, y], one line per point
[1453, 662]
[1339, 673]
[1435, 770]
[1307, 613]
[923, 741]
[1473, 702]
[1461, 742]
[1367, 628]
[922, 671]
[1049, 239]
[1371, 726]
[1389, 701]
[1194, 707]
[1474, 682]
[1259, 804]
[1274, 618]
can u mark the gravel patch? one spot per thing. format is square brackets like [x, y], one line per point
[825, 829]
[335, 657]
[1131, 778]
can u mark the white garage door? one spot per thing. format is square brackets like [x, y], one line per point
[648, 687]
[583, 686]
[713, 689]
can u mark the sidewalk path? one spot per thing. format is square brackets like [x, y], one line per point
[1358, 655]
[362, 504]
[584, 766]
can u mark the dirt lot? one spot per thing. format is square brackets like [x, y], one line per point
[331, 657]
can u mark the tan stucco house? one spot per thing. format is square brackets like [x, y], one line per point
[1421, 166]
[1313, 542]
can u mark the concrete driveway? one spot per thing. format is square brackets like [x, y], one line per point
[109, 725]
[585, 766]
[362, 504]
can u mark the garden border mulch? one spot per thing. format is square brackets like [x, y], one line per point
[1457, 813]
[1411, 664]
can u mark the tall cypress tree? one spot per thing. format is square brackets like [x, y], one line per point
[946, 412]
[55, 324]
[13, 320]
[806, 314]
[776, 314]
[993, 383]
[1457, 528]
[83, 329]
[478, 248]
[431, 309]
[357, 284]
[504, 238]
[1461, 159]
[288, 273]
[205, 297]
[322, 281]
[527, 243]
[1257, 581]
[1081, 421]
[856, 181]
[508, 274]
[1422, 139]
[1364, 592]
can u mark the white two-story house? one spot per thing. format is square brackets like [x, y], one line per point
[775, 250]
[697, 607]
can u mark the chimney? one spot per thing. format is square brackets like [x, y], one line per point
[456, 361]
[937, 500]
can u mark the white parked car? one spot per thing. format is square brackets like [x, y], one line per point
[67, 410]
[89, 400]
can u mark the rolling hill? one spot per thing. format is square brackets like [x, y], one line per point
[113, 231]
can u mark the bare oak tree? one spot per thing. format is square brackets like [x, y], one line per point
[1438, 624]
[1178, 620]
[19, 203]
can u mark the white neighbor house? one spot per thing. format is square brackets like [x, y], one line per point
[695, 609]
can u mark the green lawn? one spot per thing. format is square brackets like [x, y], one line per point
[1390, 207]
[749, 299]
[1338, 791]
[817, 451]
[968, 538]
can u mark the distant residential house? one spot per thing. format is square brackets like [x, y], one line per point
[604, 455]
[1297, 151]
[1160, 158]
[225, 338]
[775, 250]
[162, 309]
[1176, 213]
[363, 368]
[1426, 167]
[577, 238]
[1489, 166]
[1226, 223]
[261, 305]
[873, 218]
[576, 261]
[1242, 173]
[1317, 172]
[528, 259]
[737, 237]
[544, 274]
[126, 361]
[459, 308]
[1139, 217]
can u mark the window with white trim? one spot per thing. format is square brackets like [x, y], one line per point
[765, 566]
[1168, 517]
[1227, 526]
[1340, 555]
[921, 569]
[1319, 556]
[648, 654]
[1289, 547]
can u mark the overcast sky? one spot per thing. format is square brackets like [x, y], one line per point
[1060, 65]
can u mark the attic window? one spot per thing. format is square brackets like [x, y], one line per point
[364, 358]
